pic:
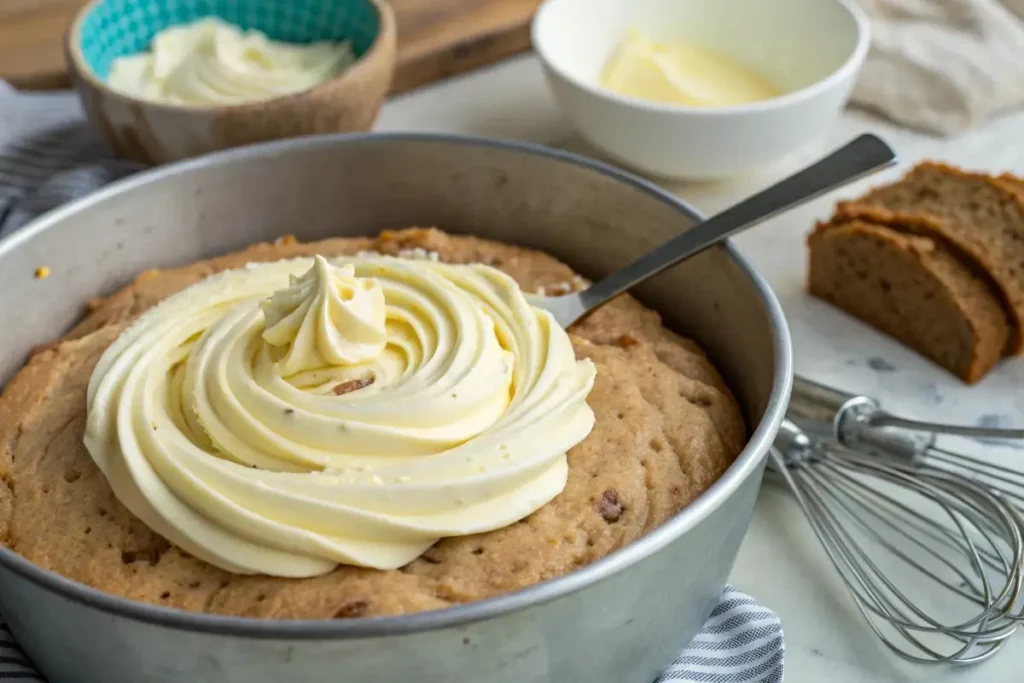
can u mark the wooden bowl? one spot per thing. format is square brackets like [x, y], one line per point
[156, 133]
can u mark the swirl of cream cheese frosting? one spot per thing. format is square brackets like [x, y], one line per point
[211, 62]
[286, 417]
[326, 317]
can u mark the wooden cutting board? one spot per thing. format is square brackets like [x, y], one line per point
[436, 38]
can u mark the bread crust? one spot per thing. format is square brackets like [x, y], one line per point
[912, 288]
[979, 218]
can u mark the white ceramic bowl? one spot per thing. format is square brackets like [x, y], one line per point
[811, 49]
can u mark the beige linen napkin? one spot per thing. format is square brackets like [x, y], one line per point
[943, 66]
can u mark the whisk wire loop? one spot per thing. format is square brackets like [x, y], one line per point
[849, 499]
[880, 600]
[952, 521]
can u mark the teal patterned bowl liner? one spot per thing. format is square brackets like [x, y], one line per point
[117, 28]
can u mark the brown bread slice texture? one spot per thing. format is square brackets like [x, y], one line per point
[911, 288]
[1016, 183]
[981, 218]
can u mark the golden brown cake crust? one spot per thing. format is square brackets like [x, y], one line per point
[666, 429]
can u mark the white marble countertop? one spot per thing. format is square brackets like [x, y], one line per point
[780, 562]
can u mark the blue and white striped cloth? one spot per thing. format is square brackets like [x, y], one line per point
[49, 156]
[740, 643]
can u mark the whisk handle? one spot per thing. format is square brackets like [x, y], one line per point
[855, 421]
[793, 444]
[813, 401]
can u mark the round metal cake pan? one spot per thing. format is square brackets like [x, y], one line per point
[619, 620]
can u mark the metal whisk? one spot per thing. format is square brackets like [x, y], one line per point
[886, 502]
[861, 424]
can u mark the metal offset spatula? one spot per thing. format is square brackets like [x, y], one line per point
[864, 155]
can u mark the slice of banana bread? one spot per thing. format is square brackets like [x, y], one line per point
[912, 288]
[1016, 183]
[978, 217]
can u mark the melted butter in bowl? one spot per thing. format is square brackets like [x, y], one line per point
[682, 74]
[706, 89]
